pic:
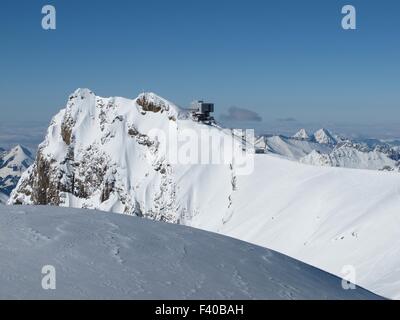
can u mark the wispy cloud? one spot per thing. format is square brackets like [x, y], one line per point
[241, 114]
[288, 119]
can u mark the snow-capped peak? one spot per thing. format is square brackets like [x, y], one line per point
[12, 164]
[323, 136]
[83, 93]
[151, 102]
[18, 154]
[302, 135]
[155, 99]
[16, 159]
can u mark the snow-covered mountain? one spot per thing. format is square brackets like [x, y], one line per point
[105, 153]
[323, 149]
[302, 135]
[323, 136]
[102, 153]
[107, 256]
[288, 147]
[12, 164]
[348, 156]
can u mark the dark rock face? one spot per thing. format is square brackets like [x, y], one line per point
[45, 190]
[40, 186]
[48, 180]
[66, 130]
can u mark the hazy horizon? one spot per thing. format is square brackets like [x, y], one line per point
[31, 133]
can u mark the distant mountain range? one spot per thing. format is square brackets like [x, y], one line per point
[325, 149]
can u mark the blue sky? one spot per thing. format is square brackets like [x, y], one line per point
[281, 59]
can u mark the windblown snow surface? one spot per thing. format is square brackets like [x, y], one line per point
[106, 256]
[99, 153]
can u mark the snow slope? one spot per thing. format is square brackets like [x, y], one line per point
[100, 153]
[327, 217]
[349, 157]
[107, 256]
